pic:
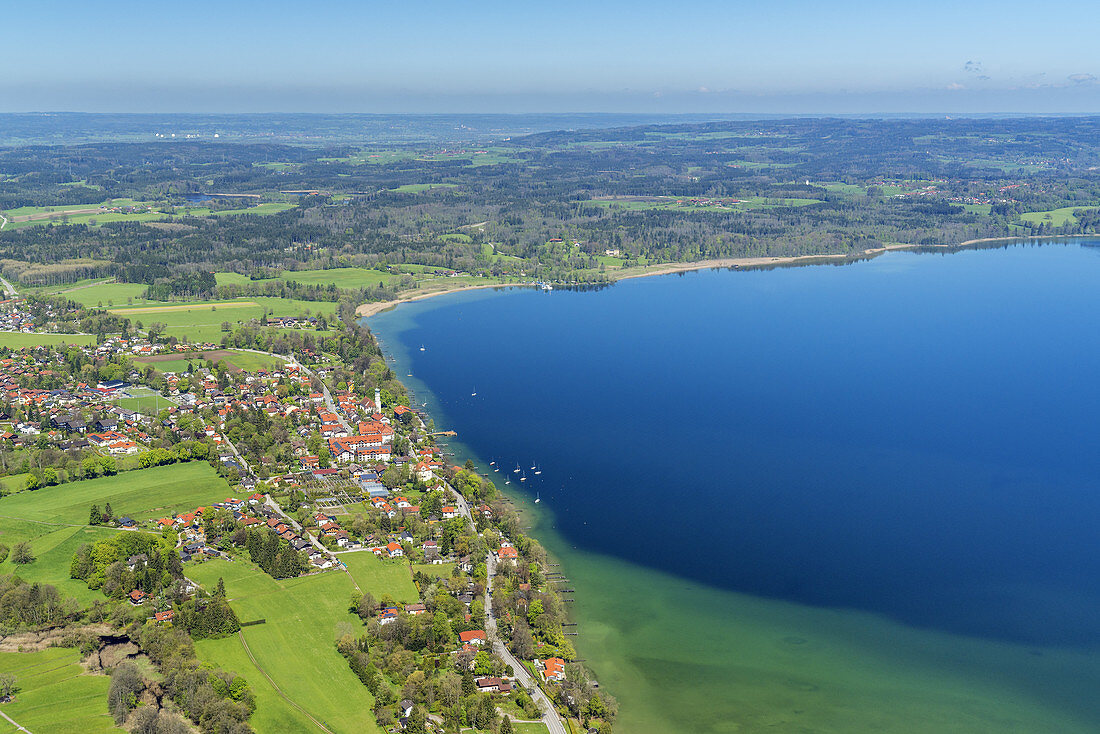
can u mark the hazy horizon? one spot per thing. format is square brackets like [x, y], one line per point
[791, 57]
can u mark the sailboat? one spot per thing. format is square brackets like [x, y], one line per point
[474, 393]
[523, 478]
[532, 466]
[516, 470]
[537, 498]
[422, 347]
[492, 463]
[538, 471]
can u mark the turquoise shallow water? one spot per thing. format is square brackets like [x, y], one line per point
[855, 498]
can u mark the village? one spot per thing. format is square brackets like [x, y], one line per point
[327, 469]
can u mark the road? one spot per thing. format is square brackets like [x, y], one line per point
[15, 723]
[9, 289]
[294, 524]
[2, 225]
[549, 715]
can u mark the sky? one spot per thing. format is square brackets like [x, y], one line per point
[786, 56]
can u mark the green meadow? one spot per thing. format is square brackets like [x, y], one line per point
[107, 294]
[18, 340]
[381, 576]
[1055, 217]
[247, 361]
[682, 204]
[295, 646]
[202, 321]
[54, 694]
[53, 518]
[422, 188]
[142, 494]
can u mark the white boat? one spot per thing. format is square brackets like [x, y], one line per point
[422, 347]
[538, 471]
[516, 470]
[492, 463]
[532, 466]
[537, 498]
[523, 478]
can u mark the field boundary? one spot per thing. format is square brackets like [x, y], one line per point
[244, 643]
[125, 311]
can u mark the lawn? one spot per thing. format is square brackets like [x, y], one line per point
[53, 549]
[434, 570]
[54, 695]
[380, 577]
[144, 401]
[142, 494]
[247, 361]
[103, 295]
[18, 340]
[296, 646]
[421, 188]
[202, 321]
[1054, 217]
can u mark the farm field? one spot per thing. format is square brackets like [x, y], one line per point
[53, 547]
[202, 321]
[381, 577]
[246, 361]
[142, 494]
[1054, 217]
[422, 188]
[18, 340]
[105, 295]
[54, 693]
[306, 613]
[667, 202]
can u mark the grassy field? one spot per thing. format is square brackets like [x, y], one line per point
[421, 188]
[1054, 217]
[668, 202]
[54, 695]
[202, 321]
[53, 518]
[53, 548]
[18, 340]
[104, 295]
[143, 494]
[295, 647]
[145, 401]
[380, 576]
[247, 361]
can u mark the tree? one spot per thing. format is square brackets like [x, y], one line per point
[49, 476]
[506, 725]
[108, 513]
[94, 516]
[33, 483]
[22, 553]
[7, 684]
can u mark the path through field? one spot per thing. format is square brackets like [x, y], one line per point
[275, 685]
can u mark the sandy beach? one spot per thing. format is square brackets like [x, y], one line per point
[367, 310]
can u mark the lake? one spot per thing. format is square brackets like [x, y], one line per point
[829, 498]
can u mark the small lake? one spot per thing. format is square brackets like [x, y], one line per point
[830, 498]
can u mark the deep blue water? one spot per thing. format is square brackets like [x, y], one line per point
[914, 435]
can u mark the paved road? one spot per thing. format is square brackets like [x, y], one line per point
[9, 289]
[549, 714]
[294, 524]
[15, 723]
[2, 225]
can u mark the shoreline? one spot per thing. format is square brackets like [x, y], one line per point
[366, 310]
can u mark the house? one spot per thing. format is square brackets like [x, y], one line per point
[163, 617]
[473, 637]
[449, 512]
[405, 708]
[137, 597]
[388, 615]
[139, 561]
[507, 554]
[489, 684]
[415, 609]
[394, 550]
[552, 669]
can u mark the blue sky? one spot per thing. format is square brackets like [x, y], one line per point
[338, 56]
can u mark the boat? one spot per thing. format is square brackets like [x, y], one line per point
[474, 393]
[516, 470]
[507, 481]
[537, 498]
[538, 471]
[532, 466]
[492, 463]
[422, 347]
[523, 478]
